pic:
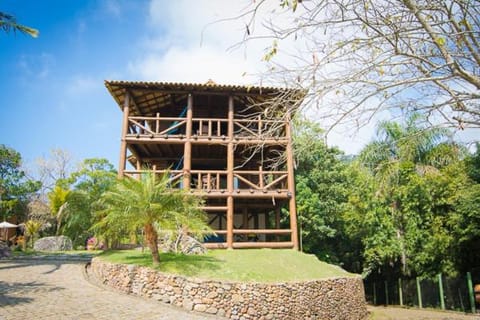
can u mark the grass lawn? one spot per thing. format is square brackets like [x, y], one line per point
[246, 265]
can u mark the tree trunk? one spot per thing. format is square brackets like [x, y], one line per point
[151, 236]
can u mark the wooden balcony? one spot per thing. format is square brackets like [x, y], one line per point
[247, 183]
[145, 129]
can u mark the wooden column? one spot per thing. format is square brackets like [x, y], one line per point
[139, 167]
[291, 184]
[123, 142]
[245, 218]
[187, 153]
[277, 221]
[245, 222]
[230, 208]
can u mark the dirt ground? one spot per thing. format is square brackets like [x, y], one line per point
[392, 313]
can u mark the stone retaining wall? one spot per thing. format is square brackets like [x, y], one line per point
[334, 298]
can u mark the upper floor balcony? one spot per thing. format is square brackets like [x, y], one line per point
[246, 183]
[142, 128]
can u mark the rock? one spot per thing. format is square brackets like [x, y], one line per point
[200, 307]
[221, 312]
[251, 311]
[212, 310]
[236, 298]
[4, 250]
[182, 243]
[187, 304]
[60, 243]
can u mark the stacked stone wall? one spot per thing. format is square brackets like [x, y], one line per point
[333, 298]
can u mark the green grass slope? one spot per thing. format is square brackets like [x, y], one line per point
[254, 265]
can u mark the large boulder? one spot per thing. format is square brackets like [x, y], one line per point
[4, 250]
[60, 243]
[181, 243]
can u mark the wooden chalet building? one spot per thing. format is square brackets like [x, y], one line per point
[231, 144]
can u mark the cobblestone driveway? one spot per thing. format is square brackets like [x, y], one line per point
[32, 289]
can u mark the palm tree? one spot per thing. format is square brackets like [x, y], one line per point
[148, 203]
[426, 148]
[402, 148]
[31, 229]
[9, 23]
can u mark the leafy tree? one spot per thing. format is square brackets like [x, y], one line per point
[58, 205]
[149, 204]
[9, 23]
[466, 219]
[32, 227]
[321, 192]
[415, 187]
[361, 57]
[73, 200]
[15, 187]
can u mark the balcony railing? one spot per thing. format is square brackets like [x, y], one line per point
[157, 126]
[216, 180]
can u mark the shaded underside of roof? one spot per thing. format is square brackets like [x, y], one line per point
[147, 98]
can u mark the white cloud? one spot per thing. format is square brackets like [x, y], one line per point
[196, 64]
[186, 43]
[36, 66]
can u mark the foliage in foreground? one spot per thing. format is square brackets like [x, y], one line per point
[16, 189]
[405, 206]
[149, 204]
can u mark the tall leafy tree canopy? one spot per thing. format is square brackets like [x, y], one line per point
[15, 186]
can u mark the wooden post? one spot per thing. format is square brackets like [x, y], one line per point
[386, 293]
[277, 221]
[471, 293]
[261, 183]
[230, 164]
[123, 144]
[440, 291]
[291, 184]
[139, 167]
[157, 123]
[400, 291]
[245, 218]
[419, 293]
[187, 152]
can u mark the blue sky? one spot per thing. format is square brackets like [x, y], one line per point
[52, 89]
[53, 93]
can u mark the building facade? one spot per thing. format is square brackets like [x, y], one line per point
[230, 144]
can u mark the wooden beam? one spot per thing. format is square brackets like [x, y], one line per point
[123, 142]
[147, 139]
[262, 231]
[215, 245]
[220, 231]
[230, 168]
[215, 208]
[239, 245]
[187, 154]
[291, 184]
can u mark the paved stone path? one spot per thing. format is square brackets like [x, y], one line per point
[47, 289]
